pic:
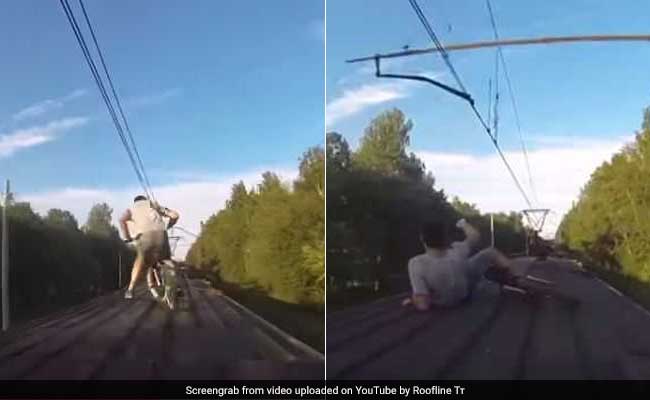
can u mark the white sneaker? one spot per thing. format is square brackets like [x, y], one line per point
[128, 294]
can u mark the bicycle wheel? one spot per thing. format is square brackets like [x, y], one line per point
[168, 273]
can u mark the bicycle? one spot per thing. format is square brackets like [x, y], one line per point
[164, 272]
[165, 276]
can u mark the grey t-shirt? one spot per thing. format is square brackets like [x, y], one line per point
[444, 276]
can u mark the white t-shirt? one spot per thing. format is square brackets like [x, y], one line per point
[145, 218]
[443, 277]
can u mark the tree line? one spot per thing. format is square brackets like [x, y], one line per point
[271, 236]
[54, 262]
[377, 198]
[610, 222]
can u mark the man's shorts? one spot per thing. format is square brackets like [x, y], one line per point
[153, 246]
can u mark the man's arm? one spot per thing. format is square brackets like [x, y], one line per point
[421, 302]
[420, 298]
[472, 235]
[125, 229]
[167, 212]
[173, 217]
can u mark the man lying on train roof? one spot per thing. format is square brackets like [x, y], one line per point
[445, 275]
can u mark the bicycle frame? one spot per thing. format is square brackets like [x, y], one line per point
[164, 273]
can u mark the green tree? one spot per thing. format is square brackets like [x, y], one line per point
[99, 221]
[312, 172]
[609, 222]
[384, 143]
[22, 211]
[69, 264]
[465, 209]
[61, 218]
[270, 237]
[227, 233]
[338, 153]
[375, 208]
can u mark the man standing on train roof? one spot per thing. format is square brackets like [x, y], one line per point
[152, 242]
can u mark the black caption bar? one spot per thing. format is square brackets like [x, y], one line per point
[319, 389]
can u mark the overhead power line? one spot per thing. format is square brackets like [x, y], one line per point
[495, 114]
[489, 108]
[434, 39]
[102, 89]
[468, 97]
[180, 228]
[441, 49]
[117, 99]
[512, 101]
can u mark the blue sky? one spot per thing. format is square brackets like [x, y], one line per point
[209, 87]
[214, 91]
[577, 102]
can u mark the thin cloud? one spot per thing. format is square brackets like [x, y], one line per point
[353, 101]
[29, 137]
[75, 94]
[195, 200]
[484, 181]
[47, 105]
[188, 176]
[362, 90]
[573, 141]
[154, 98]
[316, 29]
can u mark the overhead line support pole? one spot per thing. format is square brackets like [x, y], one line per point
[509, 42]
[455, 92]
[5, 260]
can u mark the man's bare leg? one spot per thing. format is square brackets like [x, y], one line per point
[152, 283]
[151, 279]
[135, 275]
